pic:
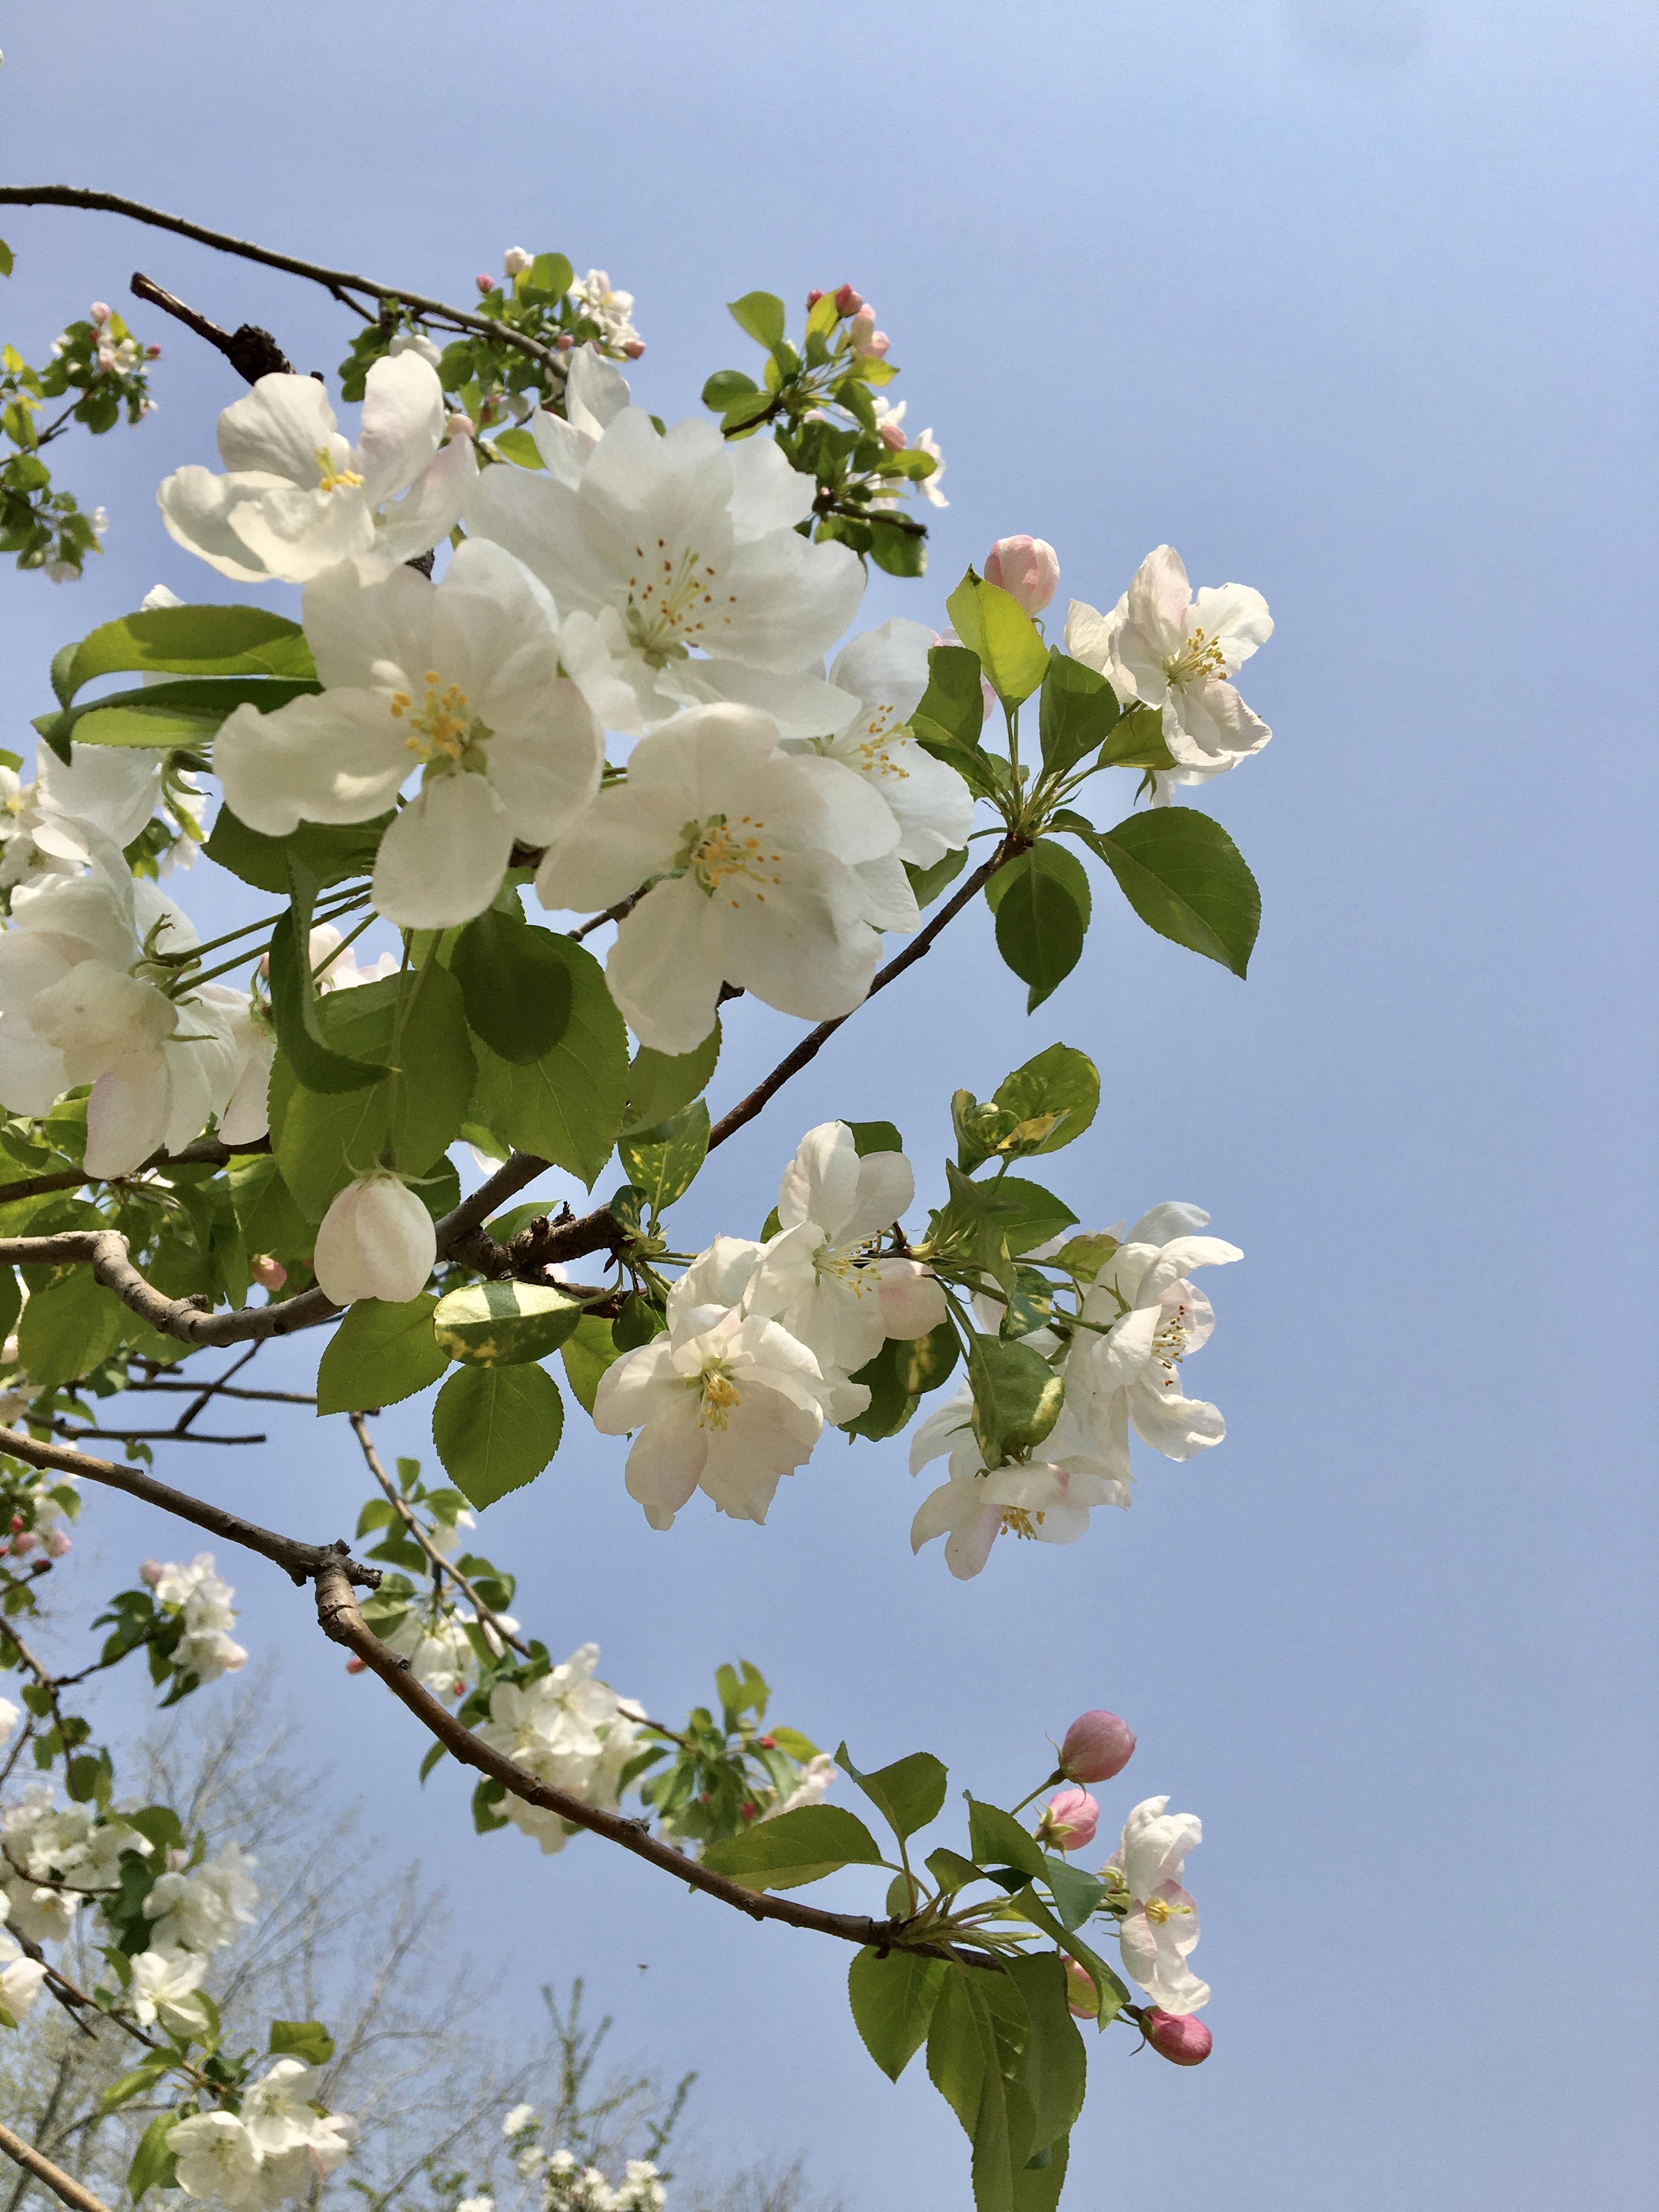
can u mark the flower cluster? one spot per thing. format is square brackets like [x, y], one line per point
[566, 1729]
[198, 1599]
[564, 2184]
[280, 2143]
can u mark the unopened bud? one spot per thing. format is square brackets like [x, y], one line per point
[849, 302]
[1081, 1995]
[269, 1273]
[813, 297]
[866, 338]
[23, 1544]
[1179, 2037]
[151, 1572]
[893, 438]
[485, 283]
[634, 348]
[99, 312]
[563, 342]
[1069, 1820]
[1027, 568]
[353, 1666]
[460, 425]
[59, 1540]
[1097, 1745]
[515, 260]
[152, 353]
[41, 1567]
[18, 1522]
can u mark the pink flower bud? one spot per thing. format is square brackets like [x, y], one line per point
[812, 298]
[893, 438]
[460, 425]
[515, 261]
[866, 338]
[353, 1666]
[152, 353]
[98, 313]
[1069, 1819]
[59, 1540]
[634, 348]
[1179, 2037]
[25, 1543]
[1027, 568]
[849, 302]
[484, 283]
[151, 1572]
[269, 1274]
[1081, 1995]
[1097, 1746]
[17, 1522]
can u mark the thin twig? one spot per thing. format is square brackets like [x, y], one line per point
[339, 282]
[401, 1506]
[60, 2183]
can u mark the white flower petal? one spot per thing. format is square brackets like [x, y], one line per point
[443, 857]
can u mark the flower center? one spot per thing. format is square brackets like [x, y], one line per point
[1020, 1520]
[718, 1395]
[670, 603]
[717, 849]
[330, 477]
[1169, 1345]
[1159, 1909]
[445, 728]
[1200, 656]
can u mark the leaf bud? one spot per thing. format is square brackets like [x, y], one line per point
[515, 261]
[1069, 1820]
[1097, 1746]
[1180, 2036]
[1027, 568]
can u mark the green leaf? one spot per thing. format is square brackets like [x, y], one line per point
[1041, 902]
[1082, 1257]
[1076, 1892]
[954, 702]
[152, 2163]
[497, 1428]
[504, 1324]
[1030, 1215]
[301, 2039]
[1186, 879]
[795, 1848]
[1017, 1398]
[1138, 742]
[975, 2050]
[195, 640]
[870, 1137]
[587, 1352]
[996, 1838]
[892, 1999]
[131, 2085]
[908, 1794]
[1060, 1081]
[380, 1353]
[926, 883]
[515, 983]
[68, 1327]
[664, 1162]
[760, 313]
[951, 1871]
[519, 447]
[897, 550]
[323, 1139]
[549, 274]
[169, 714]
[329, 851]
[992, 623]
[269, 1219]
[1079, 711]
[901, 1372]
[295, 1007]
[567, 1105]
[6, 261]
[724, 386]
[1038, 2185]
[661, 1084]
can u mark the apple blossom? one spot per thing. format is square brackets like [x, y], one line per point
[9, 1717]
[1027, 568]
[611, 310]
[515, 261]
[163, 1986]
[1177, 2036]
[215, 2157]
[1097, 1745]
[819, 1277]
[1049, 1500]
[1176, 651]
[666, 545]
[748, 854]
[1161, 1927]
[566, 1729]
[296, 497]
[111, 789]
[21, 1976]
[201, 1599]
[1069, 1820]
[202, 1909]
[459, 680]
[377, 1241]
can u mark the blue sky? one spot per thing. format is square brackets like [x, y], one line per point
[1351, 303]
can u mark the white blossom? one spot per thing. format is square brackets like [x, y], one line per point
[440, 1653]
[818, 1276]
[518, 2119]
[9, 1717]
[111, 789]
[20, 1977]
[566, 1729]
[377, 1241]
[1175, 650]
[164, 1985]
[215, 2157]
[611, 310]
[1161, 1926]
[749, 855]
[676, 564]
[202, 1908]
[202, 1600]
[43, 1845]
[459, 681]
[1048, 1499]
[812, 1785]
[297, 498]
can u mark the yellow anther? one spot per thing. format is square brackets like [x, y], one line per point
[445, 728]
[331, 478]
[1200, 656]
[1159, 1909]
[720, 1395]
[1020, 1520]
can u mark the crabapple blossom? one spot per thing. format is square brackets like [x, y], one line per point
[459, 680]
[566, 1730]
[201, 1599]
[1161, 1927]
[54, 1856]
[611, 310]
[9, 1717]
[1027, 568]
[1049, 1500]
[1069, 1820]
[1148, 1317]
[202, 1909]
[1177, 2036]
[21, 1976]
[296, 497]
[658, 547]
[1097, 1746]
[215, 2157]
[749, 854]
[377, 1241]
[818, 1276]
[164, 1985]
[1176, 651]
[111, 789]
[438, 1650]
[515, 261]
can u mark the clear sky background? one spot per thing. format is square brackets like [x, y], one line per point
[1353, 302]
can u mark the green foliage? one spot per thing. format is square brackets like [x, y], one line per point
[1186, 879]
[301, 2039]
[1017, 1397]
[760, 313]
[497, 1428]
[235, 653]
[795, 1848]
[1078, 713]
[899, 1374]
[504, 1324]
[378, 1354]
[68, 1327]
[893, 1996]
[663, 1162]
[296, 1006]
[152, 2163]
[661, 1084]
[993, 624]
[515, 982]
[1041, 900]
[908, 1794]
[567, 1105]
[589, 1350]
[328, 852]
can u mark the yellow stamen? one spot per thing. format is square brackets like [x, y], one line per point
[445, 728]
[1200, 656]
[1020, 1520]
[720, 1395]
[331, 478]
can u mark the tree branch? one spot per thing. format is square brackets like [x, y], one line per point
[61, 2184]
[440, 1565]
[298, 1561]
[251, 351]
[339, 282]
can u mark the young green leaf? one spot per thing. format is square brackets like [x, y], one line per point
[193, 641]
[994, 624]
[1079, 711]
[954, 702]
[1041, 902]
[1186, 879]
[152, 2163]
[664, 1162]
[1017, 1398]
[587, 1352]
[926, 883]
[504, 1324]
[1138, 742]
[331, 851]
[901, 1372]
[760, 313]
[295, 1007]
[908, 1794]
[795, 1848]
[893, 1998]
[515, 984]
[378, 1354]
[660, 1084]
[68, 1328]
[497, 1428]
[996, 1838]
[301, 2039]
[1060, 1081]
